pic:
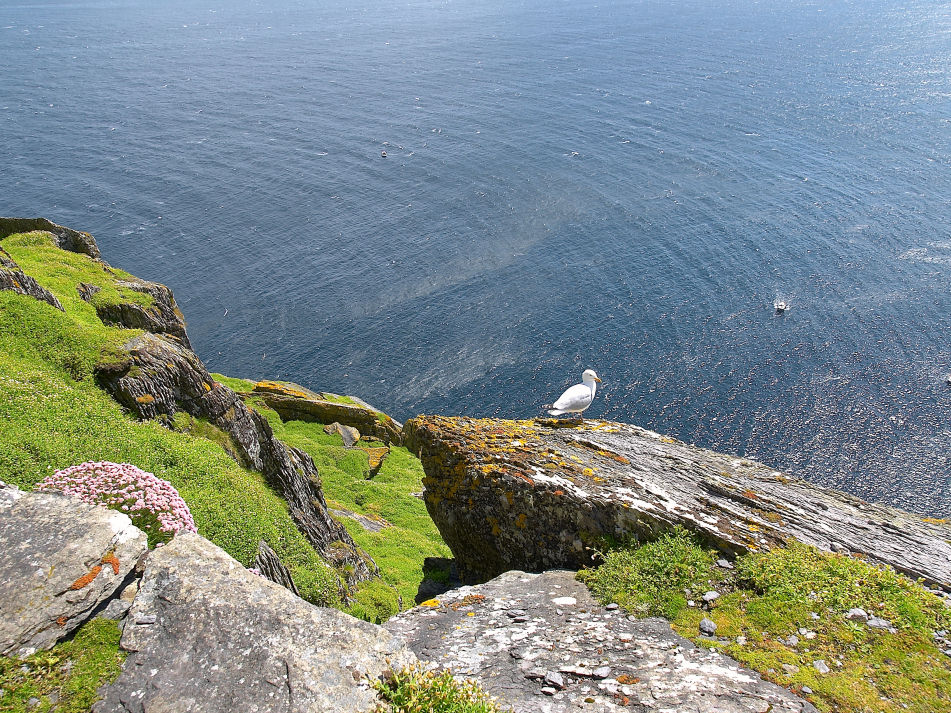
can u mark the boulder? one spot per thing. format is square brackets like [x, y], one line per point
[157, 376]
[205, 634]
[348, 434]
[66, 238]
[161, 317]
[14, 279]
[61, 559]
[537, 495]
[296, 403]
[522, 633]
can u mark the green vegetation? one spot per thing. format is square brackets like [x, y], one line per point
[416, 691]
[65, 678]
[409, 535]
[799, 591]
[651, 580]
[52, 416]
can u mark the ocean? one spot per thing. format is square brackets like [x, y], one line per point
[618, 185]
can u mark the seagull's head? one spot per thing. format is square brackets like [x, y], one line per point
[588, 376]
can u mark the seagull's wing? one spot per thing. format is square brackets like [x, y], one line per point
[577, 398]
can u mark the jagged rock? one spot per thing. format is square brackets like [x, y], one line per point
[540, 494]
[295, 403]
[87, 291]
[14, 279]
[60, 559]
[601, 660]
[348, 434]
[162, 317]
[375, 458]
[158, 377]
[66, 238]
[269, 565]
[207, 635]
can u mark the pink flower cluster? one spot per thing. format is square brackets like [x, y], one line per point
[152, 503]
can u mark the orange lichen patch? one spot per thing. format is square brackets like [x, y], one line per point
[278, 387]
[207, 387]
[520, 521]
[558, 492]
[62, 620]
[937, 520]
[433, 603]
[750, 494]
[86, 578]
[627, 680]
[510, 496]
[467, 601]
[111, 559]
[588, 471]
[145, 399]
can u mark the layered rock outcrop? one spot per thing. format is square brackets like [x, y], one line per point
[296, 403]
[157, 376]
[543, 494]
[162, 316]
[541, 644]
[61, 559]
[14, 279]
[68, 239]
[208, 635]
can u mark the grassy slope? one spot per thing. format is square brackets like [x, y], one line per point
[52, 415]
[399, 549]
[769, 597]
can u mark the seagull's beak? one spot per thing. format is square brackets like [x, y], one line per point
[598, 380]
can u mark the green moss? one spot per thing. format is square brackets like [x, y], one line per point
[376, 601]
[65, 678]
[241, 386]
[336, 398]
[650, 580]
[771, 596]
[416, 691]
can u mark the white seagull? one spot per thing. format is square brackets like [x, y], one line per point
[578, 397]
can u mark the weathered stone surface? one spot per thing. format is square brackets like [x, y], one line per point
[269, 565]
[375, 457]
[348, 434]
[162, 317]
[536, 495]
[66, 238]
[60, 559]
[14, 279]
[296, 403]
[512, 637]
[207, 635]
[159, 376]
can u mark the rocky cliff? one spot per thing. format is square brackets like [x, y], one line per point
[543, 494]
[155, 374]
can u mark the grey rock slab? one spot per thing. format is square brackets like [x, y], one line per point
[61, 559]
[857, 614]
[708, 627]
[222, 639]
[646, 666]
[515, 494]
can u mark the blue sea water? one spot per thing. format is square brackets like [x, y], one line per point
[625, 185]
